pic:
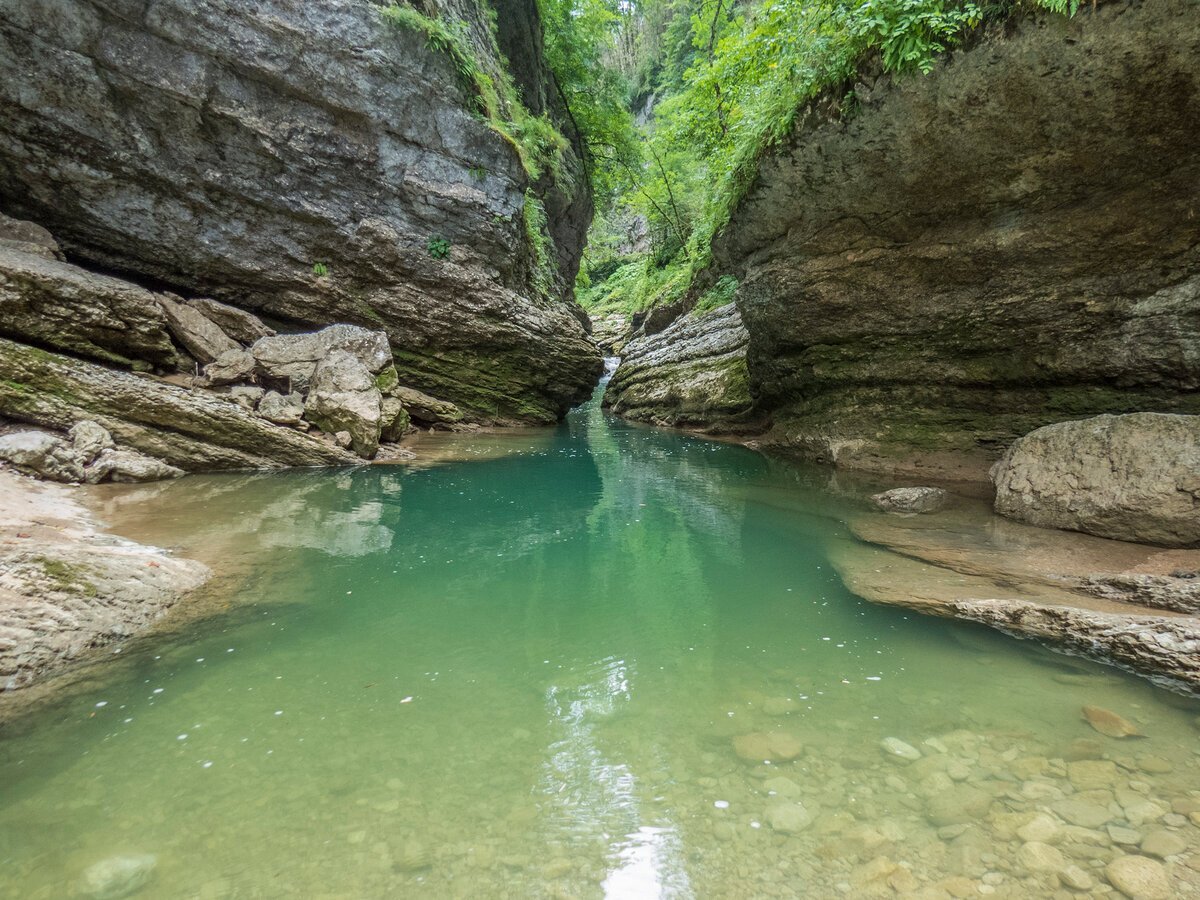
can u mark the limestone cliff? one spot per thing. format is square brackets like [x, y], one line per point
[941, 263]
[309, 161]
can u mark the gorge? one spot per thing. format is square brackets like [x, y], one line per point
[681, 448]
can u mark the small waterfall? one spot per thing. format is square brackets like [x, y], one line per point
[610, 366]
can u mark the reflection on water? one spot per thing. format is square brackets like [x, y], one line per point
[532, 676]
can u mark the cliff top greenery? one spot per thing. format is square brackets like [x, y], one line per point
[716, 84]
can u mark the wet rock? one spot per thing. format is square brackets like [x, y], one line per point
[199, 335]
[1109, 723]
[425, 409]
[788, 816]
[775, 746]
[1132, 478]
[1139, 878]
[1042, 829]
[119, 876]
[413, 857]
[242, 326]
[1034, 856]
[393, 419]
[1089, 774]
[960, 804]
[293, 358]
[1082, 812]
[129, 466]
[911, 500]
[282, 409]
[231, 367]
[1076, 878]
[43, 454]
[898, 749]
[343, 397]
[781, 786]
[1122, 835]
[89, 439]
[1163, 843]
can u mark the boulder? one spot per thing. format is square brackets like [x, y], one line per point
[129, 466]
[911, 500]
[293, 358]
[393, 420]
[118, 876]
[342, 397]
[1139, 878]
[788, 816]
[89, 440]
[193, 430]
[53, 304]
[44, 454]
[231, 367]
[242, 326]
[282, 409]
[246, 395]
[425, 409]
[198, 334]
[1132, 477]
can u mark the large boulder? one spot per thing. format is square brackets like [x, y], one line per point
[129, 466]
[44, 454]
[343, 397]
[198, 334]
[54, 304]
[242, 326]
[293, 358]
[1133, 478]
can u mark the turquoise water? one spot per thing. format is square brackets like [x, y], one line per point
[528, 675]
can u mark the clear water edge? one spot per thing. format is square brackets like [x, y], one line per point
[524, 677]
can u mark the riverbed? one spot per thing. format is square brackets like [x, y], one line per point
[593, 661]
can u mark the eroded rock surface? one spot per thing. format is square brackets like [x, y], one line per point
[297, 158]
[690, 373]
[1132, 478]
[984, 250]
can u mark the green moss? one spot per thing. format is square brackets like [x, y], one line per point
[65, 577]
[387, 379]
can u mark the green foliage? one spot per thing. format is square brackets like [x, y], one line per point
[438, 247]
[731, 78]
[320, 269]
[538, 143]
[479, 173]
[537, 235]
[718, 295]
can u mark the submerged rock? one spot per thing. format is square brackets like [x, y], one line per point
[1109, 723]
[1134, 477]
[118, 876]
[1139, 878]
[911, 500]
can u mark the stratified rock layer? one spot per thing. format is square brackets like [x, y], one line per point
[294, 157]
[1132, 478]
[1010, 241]
[691, 373]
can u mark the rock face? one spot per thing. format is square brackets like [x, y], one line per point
[193, 430]
[297, 157]
[1133, 478]
[691, 373]
[981, 251]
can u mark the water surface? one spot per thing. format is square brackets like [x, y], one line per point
[525, 676]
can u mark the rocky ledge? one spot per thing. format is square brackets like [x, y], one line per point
[67, 588]
[690, 372]
[1118, 602]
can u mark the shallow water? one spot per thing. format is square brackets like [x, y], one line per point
[525, 677]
